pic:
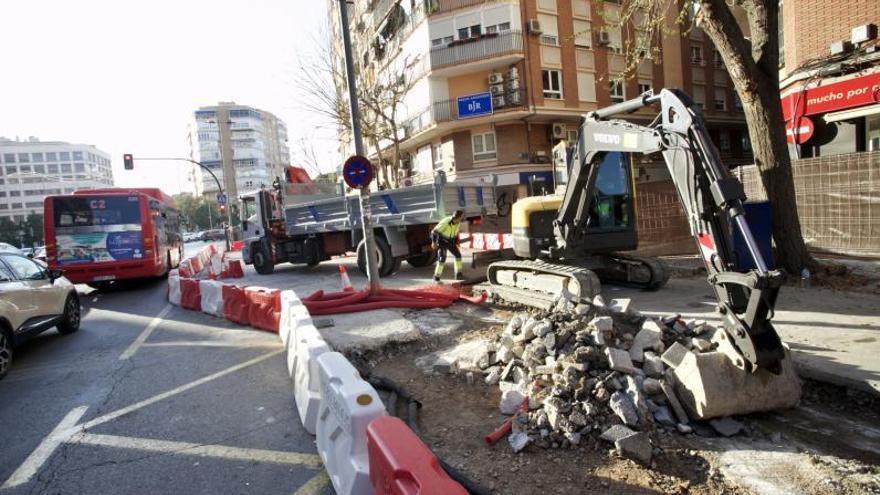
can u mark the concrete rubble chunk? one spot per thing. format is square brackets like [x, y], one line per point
[651, 386]
[663, 416]
[507, 369]
[504, 354]
[674, 355]
[615, 433]
[582, 309]
[634, 390]
[573, 438]
[636, 446]
[726, 426]
[542, 328]
[623, 407]
[653, 365]
[620, 306]
[494, 376]
[518, 440]
[554, 407]
[684, 429]
[674, 403]
[649, 337]
[549, 340]
[511, 400]
[514, 324]
[619, 360]
[599, 301]
[602, 323]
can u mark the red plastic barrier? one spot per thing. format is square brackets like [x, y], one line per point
[232, 269]
[236, 246]
[264, 308]
[400, 464]
[235, 304]
[185, 269]
[190, 295]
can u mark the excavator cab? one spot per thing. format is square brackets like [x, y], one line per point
[611, 209]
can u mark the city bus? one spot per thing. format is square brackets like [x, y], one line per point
[99, 236]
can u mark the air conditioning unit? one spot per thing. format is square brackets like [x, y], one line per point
[557, 131]
[604, 38]
[513, 73]
[535, 26]
[496, 89]
[513, 98]
[496, 78]
[513, 84]
[498, 102]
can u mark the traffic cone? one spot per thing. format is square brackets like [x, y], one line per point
[346, 282]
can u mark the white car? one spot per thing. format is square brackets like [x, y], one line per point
[33, 299]
[8, 248]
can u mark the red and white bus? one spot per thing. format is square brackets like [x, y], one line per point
[100, 235]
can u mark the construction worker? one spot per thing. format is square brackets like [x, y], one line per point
[445, 237]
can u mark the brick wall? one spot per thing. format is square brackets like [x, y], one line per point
[810, 26]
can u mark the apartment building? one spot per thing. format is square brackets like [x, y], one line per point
[244, 147]
[830, 76]
[500, 82]
[31, 170]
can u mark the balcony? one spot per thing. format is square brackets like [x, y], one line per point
[447, 111]
[477, 53]
[443, 6]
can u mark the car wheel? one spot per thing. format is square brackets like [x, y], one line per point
[5, 351]
[262, 263]
[71, 318]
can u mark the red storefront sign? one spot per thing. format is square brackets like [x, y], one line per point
[855, 92]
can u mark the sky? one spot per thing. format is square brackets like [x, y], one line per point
[126, 76]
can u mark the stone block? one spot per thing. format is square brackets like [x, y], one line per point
[675, 355]
[616, 433]
[636, 446]
[623, 407]
[620, 306]
[602, 323]
[649, 337]
[511, 400]
[619, 360]
[653, 365]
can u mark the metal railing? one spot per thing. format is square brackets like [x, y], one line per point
[441, 6]
[447, 111]
[487, 46]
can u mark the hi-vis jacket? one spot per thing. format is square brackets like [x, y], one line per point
[446, 229]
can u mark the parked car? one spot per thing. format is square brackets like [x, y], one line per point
[8, 248]
[214, 235]
[33, 299]
[40, 253]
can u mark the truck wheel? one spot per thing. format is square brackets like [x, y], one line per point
[262, 261]
[422, 259]
[386, 260]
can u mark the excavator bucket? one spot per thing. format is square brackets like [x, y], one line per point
[712, 385]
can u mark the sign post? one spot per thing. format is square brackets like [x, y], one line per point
[363, 191]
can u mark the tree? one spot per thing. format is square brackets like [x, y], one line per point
[197, 213]
[379, 100]
[752, 60]
[8, 231]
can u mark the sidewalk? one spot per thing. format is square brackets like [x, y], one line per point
[834, 335]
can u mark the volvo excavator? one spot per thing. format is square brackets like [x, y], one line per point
[571, 240]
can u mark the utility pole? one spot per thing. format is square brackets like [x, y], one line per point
[364, 193]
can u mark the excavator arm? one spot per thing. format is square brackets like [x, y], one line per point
[713, 202]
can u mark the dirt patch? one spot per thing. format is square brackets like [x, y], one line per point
[456, 416]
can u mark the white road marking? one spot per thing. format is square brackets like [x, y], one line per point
[47, 447]
[164, 395]
[208, 343]
[186, 448]
[139, 341]
[314, 485]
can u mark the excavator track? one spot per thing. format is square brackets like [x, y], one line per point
[539, 283]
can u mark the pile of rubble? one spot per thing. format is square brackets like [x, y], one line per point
[593, 369]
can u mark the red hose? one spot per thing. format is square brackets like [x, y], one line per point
[506, 426]
[321, 303]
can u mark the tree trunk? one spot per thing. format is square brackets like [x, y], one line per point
[753, 68]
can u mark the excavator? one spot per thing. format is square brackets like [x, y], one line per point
[571, 240]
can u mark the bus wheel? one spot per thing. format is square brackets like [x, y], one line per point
[262, 263]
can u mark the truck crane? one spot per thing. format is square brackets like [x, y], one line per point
[571, 240]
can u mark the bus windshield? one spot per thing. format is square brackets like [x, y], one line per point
[95, 211]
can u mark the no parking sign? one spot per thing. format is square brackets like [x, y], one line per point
[357, 172]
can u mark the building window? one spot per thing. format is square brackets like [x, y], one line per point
[11, 170]
[9, 157]
[724, 141]
[552, 84]
[65, 156]
[40, 169]
[716, 58]
[24, 158]
[644, 87]
[18, 206]
[550, 39]
[699, 95]
[737, 103]
[25, 169]
[77, 155]
[616, 90]
[720, 100]
[14, 194]
[696, 54]
[438, 155]
[65, 168]
[571, 135]
[79, 167]
[53, 169]
[746, 142]
[37, 157]
[483, 146]
[51, 157]
[434, 42]
[583, 34]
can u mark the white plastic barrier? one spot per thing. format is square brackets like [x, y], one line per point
[212, 297]
[307, 346]
[348, 404]
[289, 301]
[174, 289]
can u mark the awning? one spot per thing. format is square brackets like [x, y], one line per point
[852, 114]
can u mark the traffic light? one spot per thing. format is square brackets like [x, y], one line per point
[128, 160]
[222, 208]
